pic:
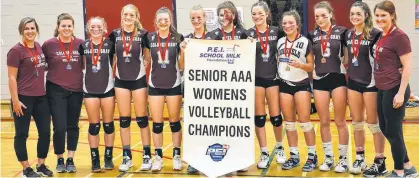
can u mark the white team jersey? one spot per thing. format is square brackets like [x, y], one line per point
[300, 49]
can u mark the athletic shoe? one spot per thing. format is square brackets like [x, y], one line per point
[109, 164]
[394, 174]
[177, 163]
[146, 166]
[44, 171]
[126, 164]
[264, 160]
[60, 166]
[28, 172]
[192, 170]
[342, 165]
[96, 166]
[311, 163]
[70, 167]
[378, 168]
[280, 155]
[327, 164]
[157, 163]
[293, 162]
[358, 166]
[411, 172]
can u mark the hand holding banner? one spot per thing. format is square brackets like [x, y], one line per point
[219, 105]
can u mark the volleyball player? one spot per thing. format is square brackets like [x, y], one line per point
[231, 26]
[266, 84]
[329, 80]
[164, 84]
[98, 90]
[131, 83]
[64, 89]
[295, 59]
[362, 93]
[26, 66]
[393, 51]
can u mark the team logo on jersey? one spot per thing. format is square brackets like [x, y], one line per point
[337, 30]
[216, 33]
[106, 44]
[217, 152]
[152, 37]
[272, 31]
[315, 32]
[239, 32]
[118, 32]
[252, 33]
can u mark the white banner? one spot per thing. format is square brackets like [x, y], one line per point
[219, 102]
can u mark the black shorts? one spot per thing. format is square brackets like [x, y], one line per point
[286, 88]
[265, 83]
[131, 85]
[110, 93]
[359, 87]
[330, 82]
[165, 92]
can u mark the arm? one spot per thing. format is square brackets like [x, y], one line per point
[17, 105]
[147, 57]
[114, 66]
[345, 55]
[406, 61]
[308, 67]
[182, 60]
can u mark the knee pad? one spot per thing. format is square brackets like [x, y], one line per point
[260, 121]
[306, 126]
[276, 121]
[142, 122]
[157, 128]
[109, 127]
[175, 126]
[290, 126]
[94, 129]
[125, 122]
[358, 126]
[374, 128]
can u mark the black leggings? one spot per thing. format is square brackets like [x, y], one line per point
[36, 106]
[65, 108]
[391, 123]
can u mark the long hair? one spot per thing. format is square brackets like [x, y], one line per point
[326, 5]
[105, 26]
[199, 8]
[230, 6]
[137, 22]
[265, 7]
[368, 18]
[389, 7]
[172, 28]
[63, 16]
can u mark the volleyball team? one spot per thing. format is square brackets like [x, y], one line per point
[104, 68]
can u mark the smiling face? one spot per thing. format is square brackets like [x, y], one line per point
[65, 28]
[129, 16]
[259, 15]
[289, 24]
[30, 32]
[357, 16]
[96, 28]
[163, 21]
[323, 17]
[383, 18]
[198, 19]
[225, 17]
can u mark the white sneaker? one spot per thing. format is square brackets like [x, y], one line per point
[280, 155]
[342, 165]
[146, 166]
[177, 163]
[358, 166]
[327, 164]
[126, 164]
[263, 161]
[157, 163]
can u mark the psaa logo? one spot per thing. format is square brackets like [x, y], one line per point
[217, 151]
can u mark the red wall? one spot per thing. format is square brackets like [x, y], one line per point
[111, 11]
[341, 8]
